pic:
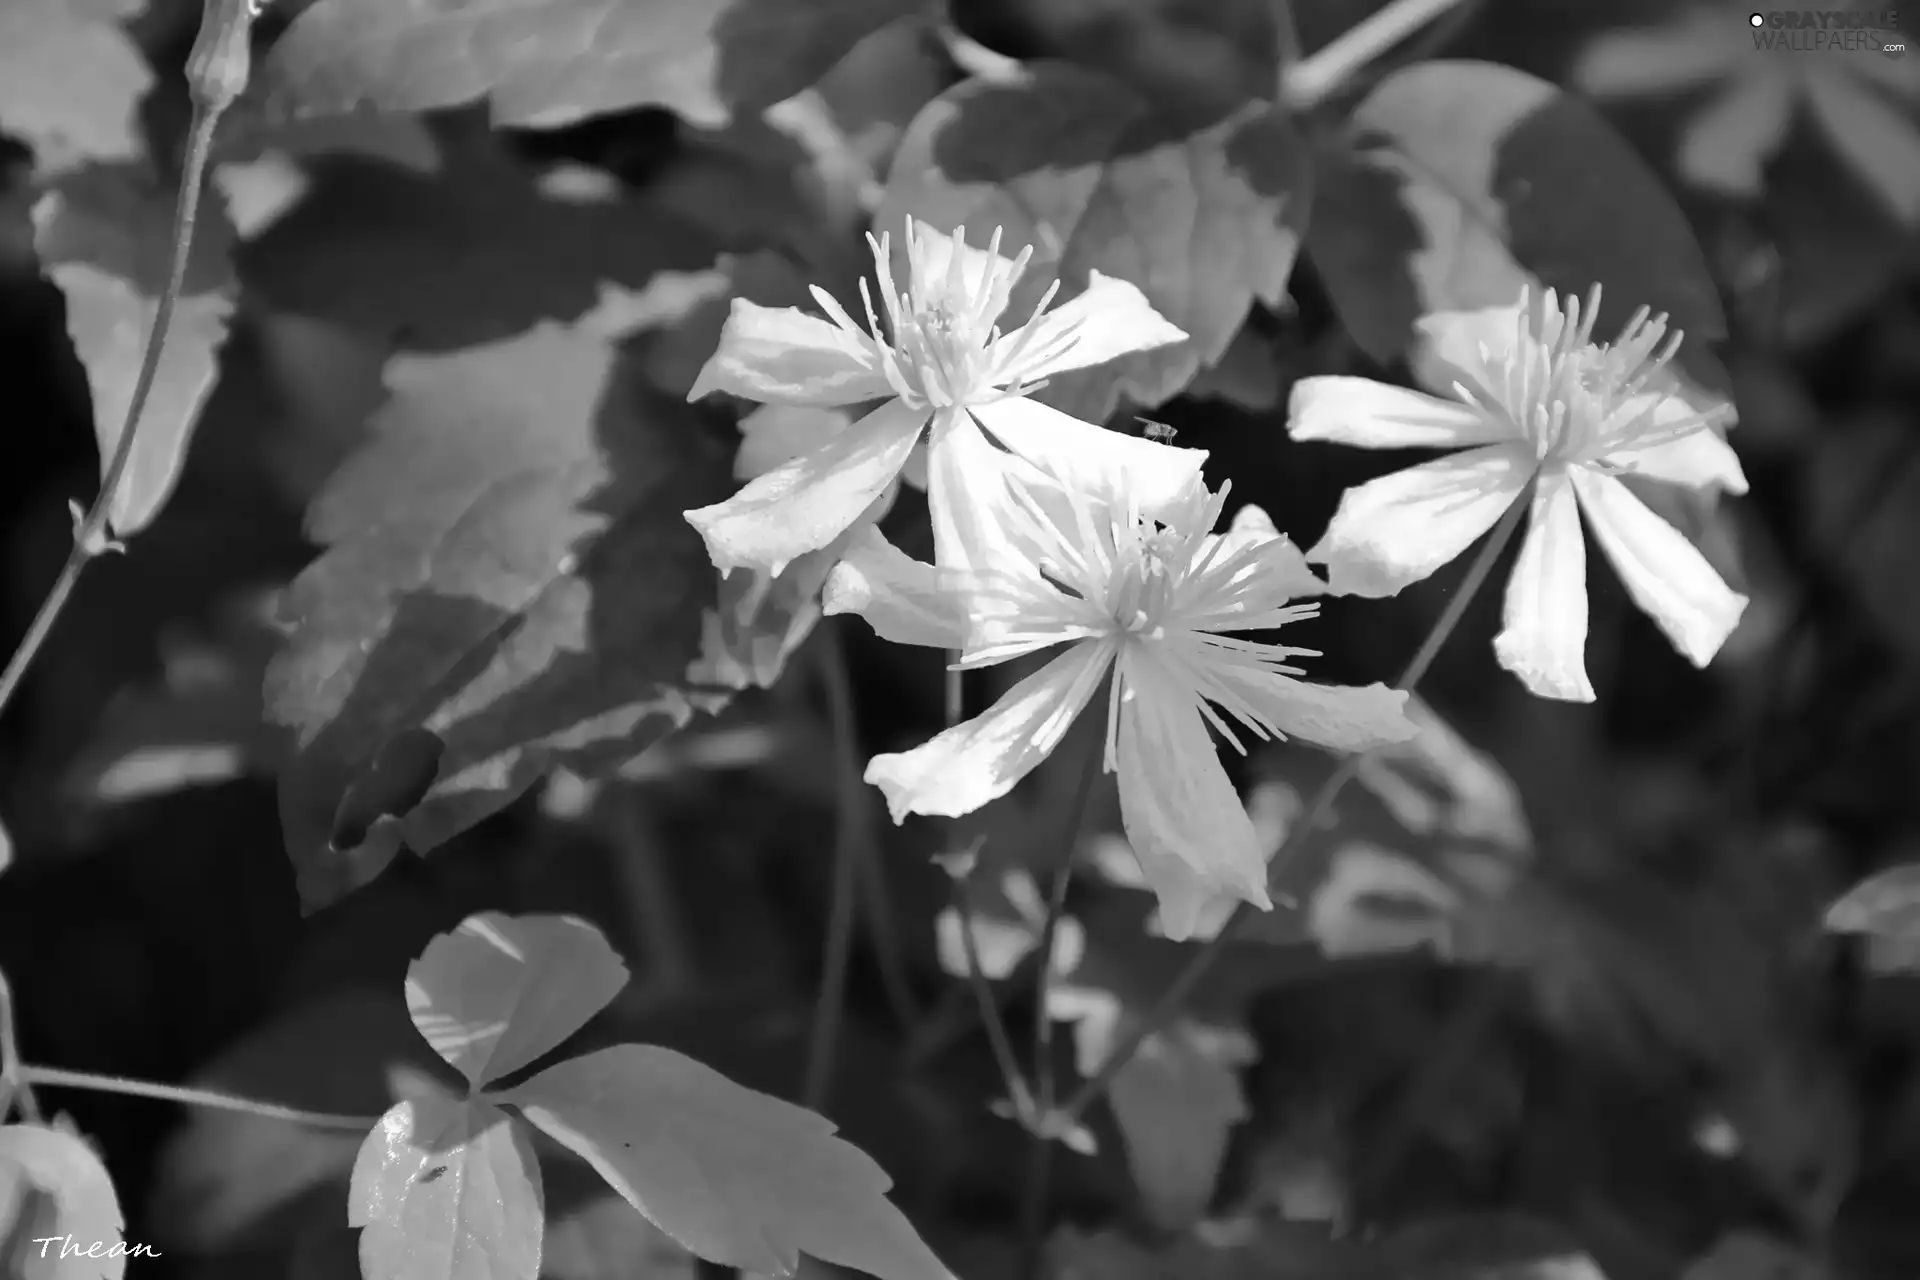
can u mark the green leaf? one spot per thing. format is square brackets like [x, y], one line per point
[104, 234]
[740, 1178]
[498, 991]
[447, 1189]
[1460, 181]
[71, 81]
[475, 252]
[53, 1184]
[508, 569]
[552, 62]
[1079, 166]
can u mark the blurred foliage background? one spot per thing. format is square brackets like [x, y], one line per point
[1632, 1033]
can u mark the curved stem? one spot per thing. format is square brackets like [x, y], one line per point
[849, 850]
[1176, 993]
[57, 1078]
[217, 73]
[12, 1071]
[1040, 1142]
[1312, 80]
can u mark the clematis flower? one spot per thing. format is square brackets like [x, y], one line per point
[1153, 600]
[946, 371]
[761, 618]
[1756, 80]
[1537, 405]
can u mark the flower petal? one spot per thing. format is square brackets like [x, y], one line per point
[902, 599]
[1878, 141]
[1341, 718]
[777, 433]
[784, 355]
[1184, 820]
[1398, 529]
[802, 505]
[1664, 573]
[1726, 146]
[966, 492]
[1273, 572]
[1544, 636]
[1108, 319]
[1699, 460]
[1377, 415]
[1107, 466]
[1637, 61]
[981, 760]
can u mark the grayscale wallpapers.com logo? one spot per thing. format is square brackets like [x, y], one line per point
[1829, 31]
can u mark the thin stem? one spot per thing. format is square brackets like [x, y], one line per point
[57, 1078]
[217, 73]
[13, 1082]
[1176, 993]
[1312, 80]
[996, 1026]
[1040, 1143]
[849, 839]
[989, 1010]
[878, 905]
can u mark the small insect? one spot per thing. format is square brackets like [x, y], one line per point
[1158, 432]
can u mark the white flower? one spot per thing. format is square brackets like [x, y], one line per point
[1150, 600]
[942, 359]
[1540, 403]
[1758, 78]
[761, 618]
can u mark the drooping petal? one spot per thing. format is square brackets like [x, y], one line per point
[1376, 415]
[1396, 530]
[777, 433]
[1543, 639]
[1636, 61]
[1699, 460]
[1727, 145]
[1176, 802]
[783, 355]
[802, 505]
[1664, 573]
[966, 494]
[1108, 319]
[1879, 141]
[902, 599]
[1107, 466]
[1340, 718]
[981, 760]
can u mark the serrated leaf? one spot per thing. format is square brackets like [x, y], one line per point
[498, 991]
[549, 63]
[71, 81]
[741, 1178]
[105, 237]
[52, 1174]
[1460, 181]
[475, 252]
[447, 1189]
[507, 567]
[1079, 166]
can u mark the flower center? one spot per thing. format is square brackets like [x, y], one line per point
[1576, 400]
[1140, 596]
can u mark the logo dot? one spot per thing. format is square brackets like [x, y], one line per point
[1756, 19]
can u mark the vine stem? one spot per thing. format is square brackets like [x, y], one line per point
[217, 72]
[12, 1070]
[1312, 80]
[850, 848]
[57, 1078]
[1176, 993]
[1041, 1134]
